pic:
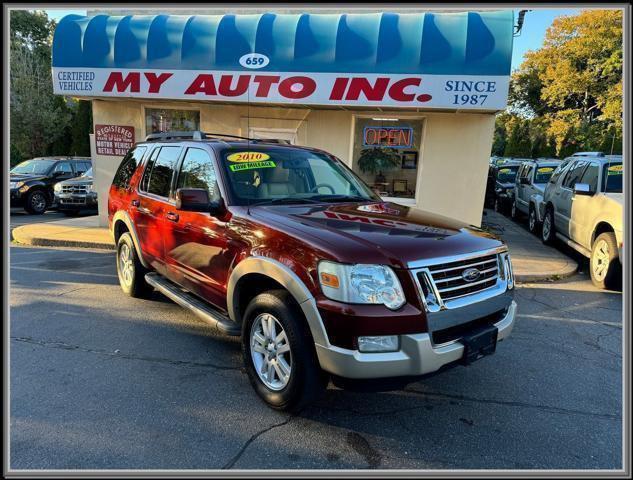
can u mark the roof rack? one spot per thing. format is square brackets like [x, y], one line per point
[588, 154]
[195, 135]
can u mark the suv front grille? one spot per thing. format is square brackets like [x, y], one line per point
[81, 189]
[450, 280]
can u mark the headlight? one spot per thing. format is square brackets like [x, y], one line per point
[90, 188]
[374, 284]
[58, 187]
[15, 184]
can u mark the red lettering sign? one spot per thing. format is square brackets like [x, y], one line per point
[114, 140]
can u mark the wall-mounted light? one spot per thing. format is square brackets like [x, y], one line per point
[385, 119]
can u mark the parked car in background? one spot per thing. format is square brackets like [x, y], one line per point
[286, 247]
[31, 182]
[583, 206]
[531, 179]
[500, 185]
[76, 194]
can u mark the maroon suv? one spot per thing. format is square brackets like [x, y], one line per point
[286, 247]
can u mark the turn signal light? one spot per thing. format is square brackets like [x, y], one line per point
[329, 280]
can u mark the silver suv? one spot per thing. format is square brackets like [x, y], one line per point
[530, 184]
[583, 206]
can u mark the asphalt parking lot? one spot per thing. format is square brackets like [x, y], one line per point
[101, 380]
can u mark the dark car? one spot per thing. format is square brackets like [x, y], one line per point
[286, 247]
[32, 181]
[76, 195]
[500, 184]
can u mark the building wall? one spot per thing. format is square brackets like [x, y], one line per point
[453, 162]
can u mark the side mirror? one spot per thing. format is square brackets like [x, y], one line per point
[197, 200]
[582, 189]
[58, 174]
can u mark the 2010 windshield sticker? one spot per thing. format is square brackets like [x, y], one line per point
[247, 157]
[545, 170]
[504, 170]
[238, 167]
[615, 170]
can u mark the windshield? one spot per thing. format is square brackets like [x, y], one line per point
[612, 178]
[87, 173]
[543, 174]
[507, 174]
[33, 167]
[289, 175]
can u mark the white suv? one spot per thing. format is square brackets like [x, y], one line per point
[583, 206]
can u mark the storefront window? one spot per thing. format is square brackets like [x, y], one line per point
[386, 154]
[169, 120]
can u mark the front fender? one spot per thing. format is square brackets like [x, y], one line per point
[285, 277]
[536, 199]
[124, 217]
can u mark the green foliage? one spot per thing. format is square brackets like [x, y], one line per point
[41, 123]
[374, 160]
[569, 90]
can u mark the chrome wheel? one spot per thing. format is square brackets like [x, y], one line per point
[126, 265]
[600, 260]
[532, 221]
[513, 212]
[547, 227]
[270, 352]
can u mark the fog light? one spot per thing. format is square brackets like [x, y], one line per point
[387, 343]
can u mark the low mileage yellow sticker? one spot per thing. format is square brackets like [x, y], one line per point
[545, 170]
[504, 170]
[615, 170]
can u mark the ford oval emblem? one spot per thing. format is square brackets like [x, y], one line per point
[471, 274]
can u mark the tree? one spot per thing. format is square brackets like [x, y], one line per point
[574, 82]
[81, 129]
[38, 118]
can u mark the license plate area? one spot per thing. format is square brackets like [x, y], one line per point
[479, 343]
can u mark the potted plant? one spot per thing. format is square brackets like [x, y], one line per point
[377, 159]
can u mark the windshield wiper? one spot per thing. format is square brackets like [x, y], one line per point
[284, 201]
[340, 198]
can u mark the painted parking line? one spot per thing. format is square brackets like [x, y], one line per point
[568, 320]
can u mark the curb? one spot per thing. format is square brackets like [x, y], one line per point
[23, 238]
[549, 277]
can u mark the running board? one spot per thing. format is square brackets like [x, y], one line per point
[579, 248]
[200, 308]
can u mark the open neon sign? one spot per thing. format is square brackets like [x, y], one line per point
[391, 137]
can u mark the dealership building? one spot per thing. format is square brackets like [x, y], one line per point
[406, 99]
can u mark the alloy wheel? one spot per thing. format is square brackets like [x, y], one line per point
[547, 227]
[270, 352]
[532, 221]
[126, 264]
[600, 260]
[38, 202]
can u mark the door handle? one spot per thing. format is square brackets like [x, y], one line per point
[172, 217]
[136, 202]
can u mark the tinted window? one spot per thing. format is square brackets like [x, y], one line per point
[612, 178]
[591, 176]
[37, 167]
[163, 171]
[82, 167]
[507, 174]
[63, 167]
[543, 174]
[128, 166]
[148, 169]
[197, 171]
[574, 174]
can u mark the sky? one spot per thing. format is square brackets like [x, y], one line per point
[531, 38]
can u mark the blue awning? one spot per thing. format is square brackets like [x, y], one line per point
[469, 43]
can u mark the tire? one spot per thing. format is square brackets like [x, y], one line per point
[497, 205]
[36, 202]
[604, 265]
[533, 224]
[300, 381]
[548, 231]
[129, 269]
[514, 212]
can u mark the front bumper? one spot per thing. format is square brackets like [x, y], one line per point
[417, 355]
[17, 198]
[76, 201]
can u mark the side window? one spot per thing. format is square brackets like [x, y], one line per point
[162, 171]
[527, 171]
[128, 166]
[557, 173]
[64, 167]
[574, 174]
[84, 167]
[148, 169]
[197, 171]
[591, 176]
